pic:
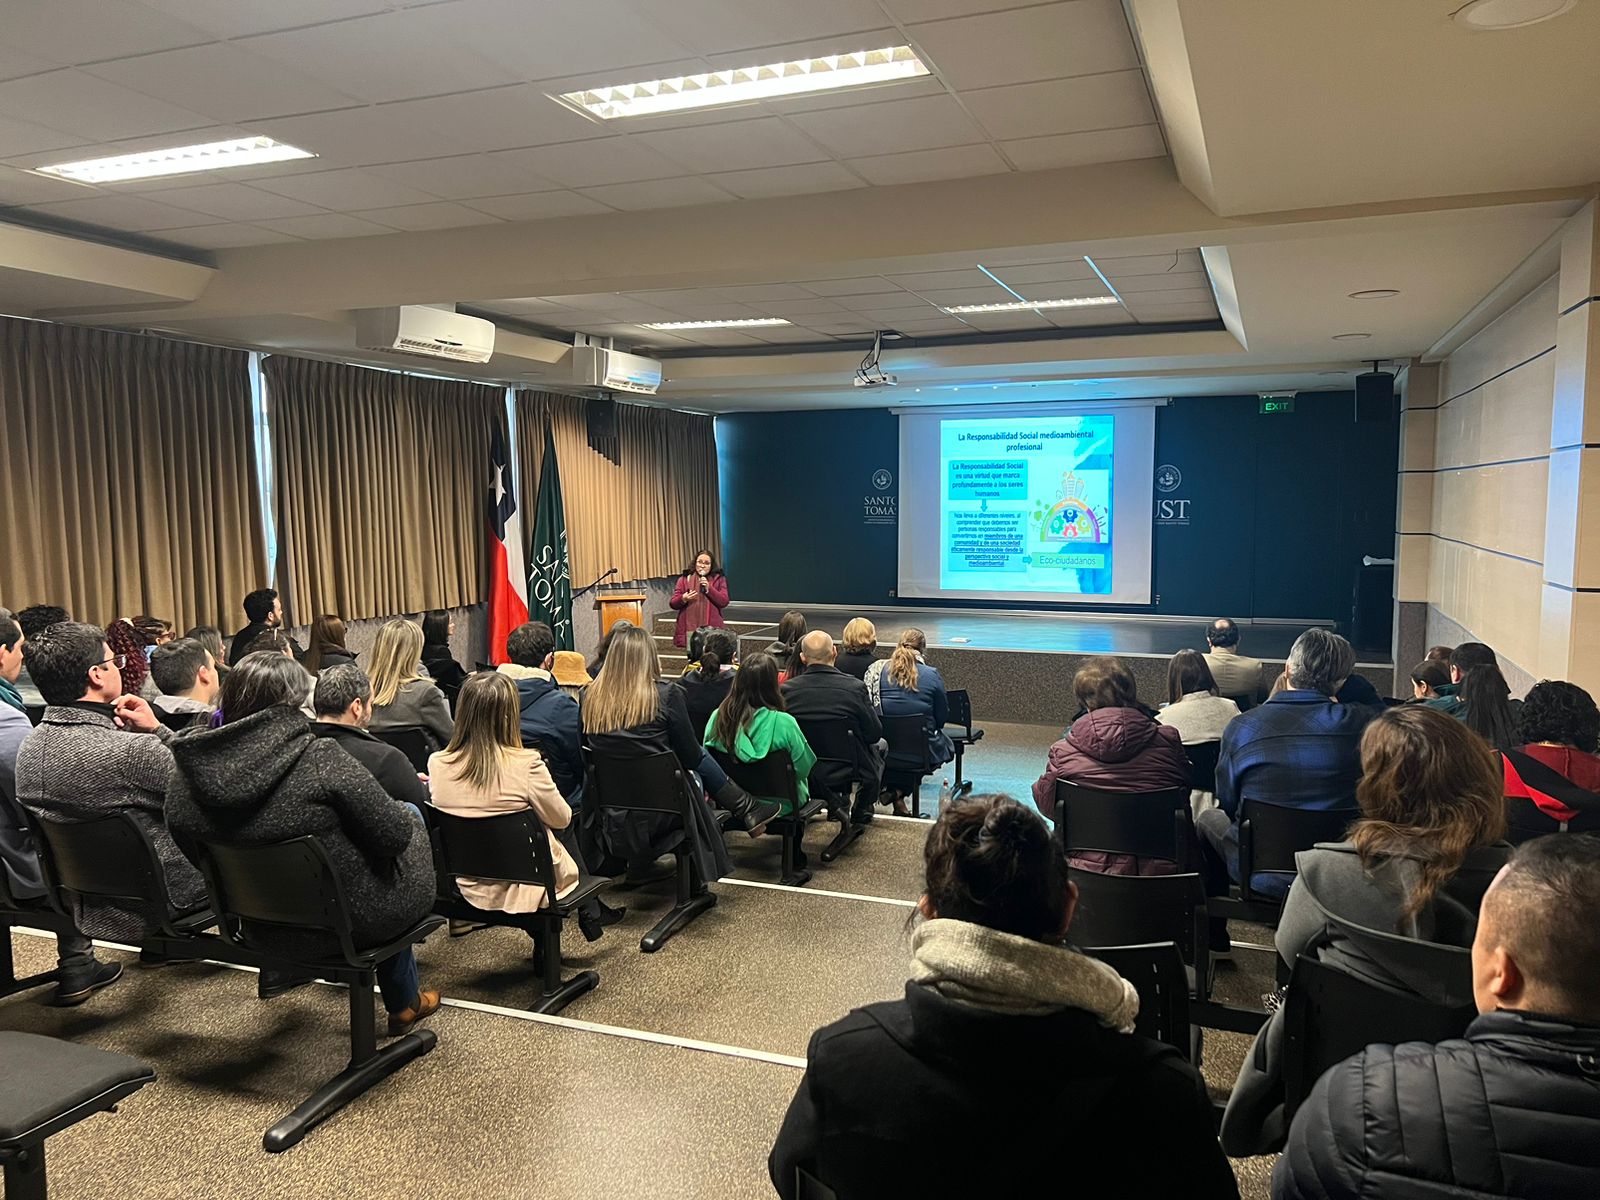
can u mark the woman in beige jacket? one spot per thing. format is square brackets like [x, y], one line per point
[485, 772]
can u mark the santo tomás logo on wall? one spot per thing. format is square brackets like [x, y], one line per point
[881, 479]
[1071, 518]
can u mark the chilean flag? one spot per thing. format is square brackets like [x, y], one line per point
[508, 589]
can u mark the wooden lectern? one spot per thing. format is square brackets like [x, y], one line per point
[619, 606]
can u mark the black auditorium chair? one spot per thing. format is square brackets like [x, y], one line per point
[842, 767]
[293, 886]
[907, 738]
[808, 1187]
[511, 848]
[773, 777]
[655, 783]
[415, 742]
[964, 738]
[1148, 824]
[1203, 765]
[1157, 973]
[1270, 835]
[48, 1085]
[1526, 820]
[1245, 700]
[111, 859]
[1330, 1014]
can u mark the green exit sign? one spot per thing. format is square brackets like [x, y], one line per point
[1277, 404]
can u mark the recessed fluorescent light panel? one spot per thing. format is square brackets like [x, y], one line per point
[746, 323]
[179, 160]
[1025, 305]
[744, 84]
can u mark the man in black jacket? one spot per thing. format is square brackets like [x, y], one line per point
[822, 692]
[343, 703]
[1513, 1109]
[265, 611]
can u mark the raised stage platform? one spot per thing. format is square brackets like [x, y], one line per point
[1018, 664]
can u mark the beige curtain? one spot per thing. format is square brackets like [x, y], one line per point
[382, 484]
[647, 513]
[130, 481]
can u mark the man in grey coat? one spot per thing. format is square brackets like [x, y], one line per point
[98, 752]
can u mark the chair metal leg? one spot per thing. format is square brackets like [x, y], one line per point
[25, 1175]
[793, 836]
[554, 993]
[368, 1066]
[916, 800]
[10, 985]
[688, 907]
[842, 841]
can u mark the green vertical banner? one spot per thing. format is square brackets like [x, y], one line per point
[549, 577]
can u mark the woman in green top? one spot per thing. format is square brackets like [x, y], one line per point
[751, 723]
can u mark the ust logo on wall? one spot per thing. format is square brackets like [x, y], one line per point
[882, 507]
[1168, 477]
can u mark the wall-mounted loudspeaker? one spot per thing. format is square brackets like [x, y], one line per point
[1375, 398]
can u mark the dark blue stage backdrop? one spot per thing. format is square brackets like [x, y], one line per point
[1258, 514]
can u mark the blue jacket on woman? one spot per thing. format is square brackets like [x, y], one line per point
[928, 701]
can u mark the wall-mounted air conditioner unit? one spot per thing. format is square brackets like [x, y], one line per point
[595, 366]
[425, 332]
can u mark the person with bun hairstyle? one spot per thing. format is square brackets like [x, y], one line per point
[710, 675]
[1427, 677]
[1007, 1035]
[699, 597]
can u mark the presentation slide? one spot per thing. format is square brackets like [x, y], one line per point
[1053, 505]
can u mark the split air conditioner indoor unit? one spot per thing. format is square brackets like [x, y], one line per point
[595, 366]
[426, 333]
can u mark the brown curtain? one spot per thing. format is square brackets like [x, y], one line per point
[130, 481]
[382, 483]
[647, 513]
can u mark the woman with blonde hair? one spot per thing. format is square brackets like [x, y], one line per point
[327, 647]
[485, 772]
[1428, 842]
[403, 697]
[629, 711]
[905, 685]
[860, 648]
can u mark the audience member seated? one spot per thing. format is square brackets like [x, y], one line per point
[905, 685]
[860, 647]
[1195, 707]
[1300, 748]
[753, 722]
[1479, 695]
[402, 697]
[605, 646]
[630, 712]
[1440, 654]
[1427, 677]
[262, 776]
[279, 643]
[187, 676]
[80, 973]
[486, 771]
[127, 641]
[1511, 1109]
[438, 627]
[1417, 863]
[822, 692]
[342, 701]
[1235, 674]
[999, 1015]
[210, 637]
[265, 611]
[549, 716]
[153, 630]
[1113, 747]
[1357, 689]
[1556, 765]
[570, 672]
[791, 628]
[31, 620]
[709, 677]
[98, 752]
[326, 648]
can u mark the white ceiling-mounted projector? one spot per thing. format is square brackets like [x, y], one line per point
[873, 381]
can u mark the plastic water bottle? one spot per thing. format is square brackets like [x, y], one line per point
[944, 794]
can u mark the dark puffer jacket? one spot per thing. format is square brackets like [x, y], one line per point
[1513, 1109]
[1115, 750]
[268, 778]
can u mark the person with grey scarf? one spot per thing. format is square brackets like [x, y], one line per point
[1014, 1051]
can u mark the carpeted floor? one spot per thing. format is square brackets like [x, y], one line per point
[669, 1080]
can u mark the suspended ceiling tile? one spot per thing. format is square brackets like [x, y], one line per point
[594, 163]
[326, 225]
[1090, 146]
[714, 26]
[1062, 106]
[1024, 45]
[861, 285]
[234, 201]
[359, 137]
[740, 145]
[889, 126]
[427, 216]
[1024, 275]
[464, 176]
[538, 206]
[658, 193]
[225, 82]
[1166, 281]
[131, 213]
[1149, 264]
[787, 181]
[64, 32]
[918, 166]
[345, 190]
[236, 18]
[225, 236]
[500, 118]
[90, 107]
